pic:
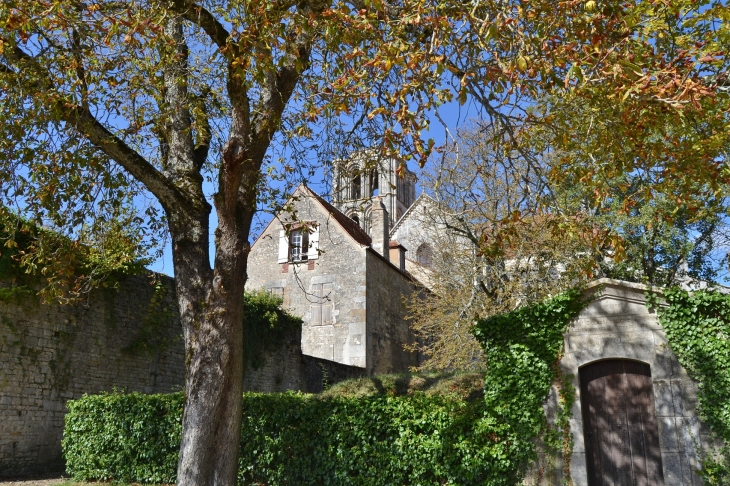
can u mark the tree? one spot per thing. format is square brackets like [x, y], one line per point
[650, 80]
[106, 103]
[663, 242]
[664, 227]
[500, 242]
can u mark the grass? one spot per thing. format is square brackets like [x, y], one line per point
[466, 385]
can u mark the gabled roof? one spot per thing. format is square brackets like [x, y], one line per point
[420, 200]
[348, 224]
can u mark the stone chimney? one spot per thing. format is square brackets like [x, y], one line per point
[379, 228]
[398, 255]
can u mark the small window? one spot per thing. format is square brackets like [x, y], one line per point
[298, 246]
[424, 255]
[355, 218]
[277, 292]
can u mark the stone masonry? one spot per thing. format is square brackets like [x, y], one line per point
[116, 339]
[349, 296]
[127, 339]
[617, 324]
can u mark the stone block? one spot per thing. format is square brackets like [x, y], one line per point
[685, 397]
[688, 435]
[585, 341]
[663, 364]
[645, 338]
[672, 464]
[578, 469]
[576, 428]
[668, 441]
[660, 338]
[690, 466]
[663, 398]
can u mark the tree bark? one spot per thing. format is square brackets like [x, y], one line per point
[211, 305]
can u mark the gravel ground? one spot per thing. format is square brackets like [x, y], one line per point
[45, 480]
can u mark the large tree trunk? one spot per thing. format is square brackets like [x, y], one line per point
[210, 300]
[211, 305]
[211, 311]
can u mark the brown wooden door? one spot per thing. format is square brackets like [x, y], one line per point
[619, 424]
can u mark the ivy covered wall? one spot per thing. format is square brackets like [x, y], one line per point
[698, 328]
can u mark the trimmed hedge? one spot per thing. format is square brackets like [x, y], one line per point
[297, 439]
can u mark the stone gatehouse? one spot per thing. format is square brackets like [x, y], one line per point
[634, 419]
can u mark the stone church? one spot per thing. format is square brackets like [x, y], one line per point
[343, 268]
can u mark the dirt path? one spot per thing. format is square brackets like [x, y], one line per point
[46, 480]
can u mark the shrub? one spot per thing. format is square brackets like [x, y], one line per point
[123, 437]
[523, 349]
[294, 438]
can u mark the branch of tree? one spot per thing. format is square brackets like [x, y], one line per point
[82, 120]
[204, 19]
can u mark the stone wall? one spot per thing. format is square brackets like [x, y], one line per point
[388, 329]
[123, 339]
[617, 324]
[285, 368]
[340, 267]
[127, 339]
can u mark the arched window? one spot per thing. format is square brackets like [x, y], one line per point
[356, 189]
[424, 255]
[374, 179]
[355, 218]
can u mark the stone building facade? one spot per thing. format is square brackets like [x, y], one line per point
[618, 344]
[340, 280]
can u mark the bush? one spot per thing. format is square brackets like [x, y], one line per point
[523, 350]
[124, 437]
[294, 438]
[698, 329]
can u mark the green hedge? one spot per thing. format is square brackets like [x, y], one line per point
[297, 439]
[523, 349]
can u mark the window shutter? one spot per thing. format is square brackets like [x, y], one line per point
[315, 309]
[313, 252]
[283, 247]
[304, 250]
[327, 303]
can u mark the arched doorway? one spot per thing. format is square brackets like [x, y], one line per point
[619, 424]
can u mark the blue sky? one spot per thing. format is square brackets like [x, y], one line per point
[451, 114]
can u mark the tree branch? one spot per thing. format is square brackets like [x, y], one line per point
[204, 19]
[84, 122]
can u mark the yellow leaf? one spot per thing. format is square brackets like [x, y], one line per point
[522, 63]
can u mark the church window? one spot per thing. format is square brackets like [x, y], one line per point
[320, 310]
[424, 255]
[355, 218]
[374, 189]
[356, 190]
